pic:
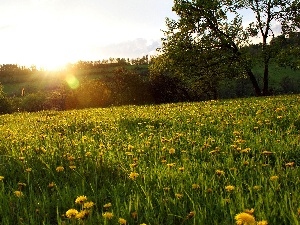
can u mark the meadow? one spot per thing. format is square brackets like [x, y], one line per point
[214, 162]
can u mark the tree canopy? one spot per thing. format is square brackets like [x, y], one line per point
[209, 40]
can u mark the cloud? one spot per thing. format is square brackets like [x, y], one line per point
[130, 49]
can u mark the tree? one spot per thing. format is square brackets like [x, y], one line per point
[208, 41]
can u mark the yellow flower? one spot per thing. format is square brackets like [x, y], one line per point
[179, 196]
[88, 205]
[88, 154]
[244, 219]
[72, 167]
[273, 178]
[108, 215]
[60, 169]
[51, 185]
[107, 205]
[71, 213]
[133, 175]
[1, 178]
[181, 169]
[220, 172]
[18, 194]
[195, 186]
[229, 188]
[122, 221]
[170, 165]
[299, 211]
[80, 199]
[28, 170]
[191, 215]
[172, 151]
[82, 214]
[290, 164]
[263, 222]
[166, 189]
[256, 187]
[249, 211]
[143, 224]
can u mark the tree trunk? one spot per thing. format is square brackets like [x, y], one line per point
[254, 82]
[266, 79]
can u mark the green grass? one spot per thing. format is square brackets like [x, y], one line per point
[183, 157]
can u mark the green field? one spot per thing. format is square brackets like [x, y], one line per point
[186, 163]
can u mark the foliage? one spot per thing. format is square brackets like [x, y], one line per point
[184, 163]
[206, 44]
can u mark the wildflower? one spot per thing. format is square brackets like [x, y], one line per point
[195, 186]
[130, 147]
[72, 167]
[60, 169]
[133, 165]
[166, 189]
[163, 161]
[21, 185]
[209, 190]
[172, 151]
[244, 219]
[171, 165]
[220, 172]
[191, 215]
[122, 221]
[274, 178]
[51, 185]
[178, 196]
[245, 163]
[108, 215]
[107, 205]
[80, 199]
[18, 194]
[246, 150]
[290, 164]
[143, 224]
[133, 175]
[267, 153]
[299, 211]
[71, 213]
[28, 170]
[82, 214]
[88, 154]
[71, 158]
[1, 178]
[21, 158]
[181, 169]
[134, 215]
[229, 188]
[263, 222]
[88, 205]
[256, 187]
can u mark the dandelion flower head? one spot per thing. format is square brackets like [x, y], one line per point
[244, 219]
[71, 213]
[80, 199]
[108, 215]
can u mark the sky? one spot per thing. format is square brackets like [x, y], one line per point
[51, 33]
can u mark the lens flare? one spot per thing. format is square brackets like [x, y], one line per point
[72, 81]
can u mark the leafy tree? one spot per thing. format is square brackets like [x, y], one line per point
[209, 42]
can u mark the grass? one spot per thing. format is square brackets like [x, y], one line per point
[186, 163]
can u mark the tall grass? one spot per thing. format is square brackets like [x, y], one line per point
[187, 163]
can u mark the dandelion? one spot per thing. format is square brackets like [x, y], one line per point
[28, 170]
[263, 222]
[256, 187]
[143, 224]
[274, 178]
[178, 196]
[299, 211]
[191, 215]
[172, 151]
[290, 164]
[88, 205]
[122, 221]
[133, 175]
[166, 189]
[170, 165]
[133, 165]
[1, 178]
[72, 167]
[80, 199]
[244, 219]
[108, 215]
[18, 194]
[51, 185]
[220, 172]
[181, 169]
[71, 213]
[60, 169]
[229, 188]
[21, 158]
[88, 154]
[82, 214]
[267, 153]
[134, 215]
[107, 205]
[195, 186]
[71, 158]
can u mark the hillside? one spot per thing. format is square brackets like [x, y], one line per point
[187, 163]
